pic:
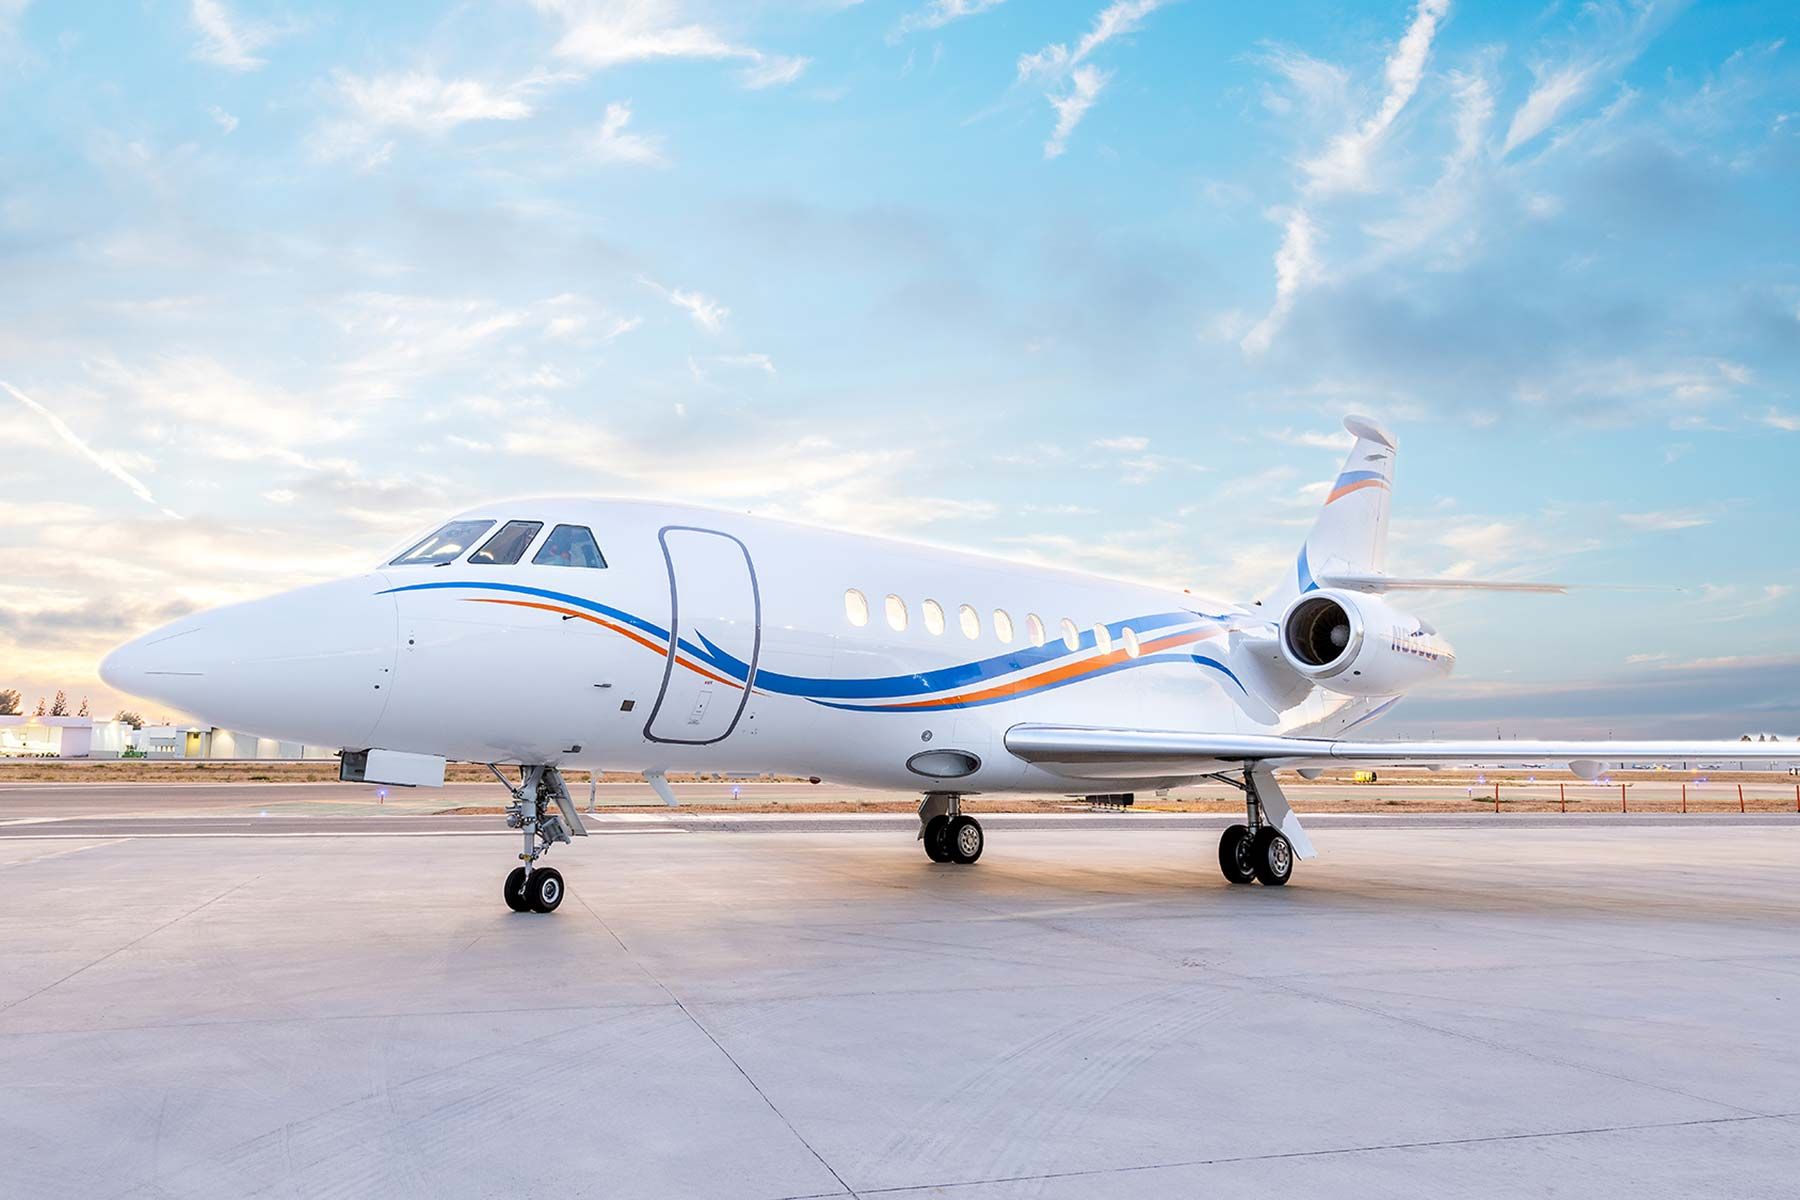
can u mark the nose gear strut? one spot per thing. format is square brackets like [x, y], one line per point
[540, 788]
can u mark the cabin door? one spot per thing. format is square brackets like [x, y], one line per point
[715, 636]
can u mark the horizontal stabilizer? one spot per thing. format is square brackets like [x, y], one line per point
[1391, 583]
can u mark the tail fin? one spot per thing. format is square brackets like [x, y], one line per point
[1350, 535]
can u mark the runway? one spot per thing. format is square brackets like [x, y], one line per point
[786, 1007]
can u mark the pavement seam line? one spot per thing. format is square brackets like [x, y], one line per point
[719, 1046]
[128, 945]
[1331, 1152]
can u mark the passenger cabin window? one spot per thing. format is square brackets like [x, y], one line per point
[1132, 647]
[1071, 635]
[934, 617]
[569, 546]
[1003, 626]
[896, 614]
[509, 545]
[446, 545]
[1102, 638]
[970, 620]
[1034, 628]
[856, 607]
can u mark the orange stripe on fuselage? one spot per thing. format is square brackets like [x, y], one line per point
[1057, 674]
[1355, 487]
[635, 636]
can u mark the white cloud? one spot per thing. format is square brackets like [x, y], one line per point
[1296, 265]
[1116, 20]
[1133, 444]
[227, 42]
[1057, 64]
[419, 102]
[598, 34]
[223, 119]
[940, 13]
[1311, 439]
[759, 362]
[708, 313]
[1345, 163]
[424, 102]
[1084, 87]
[1785, 421]
[613, 144]
[103, 461]
[1553, 90]
[772, 70]
[1323, 87]
[1620, 36]
[1662, 522]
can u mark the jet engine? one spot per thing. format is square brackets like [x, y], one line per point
[1358, 645]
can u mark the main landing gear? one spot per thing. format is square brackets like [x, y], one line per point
[1255, 851]
[949, 835]
[532, 888]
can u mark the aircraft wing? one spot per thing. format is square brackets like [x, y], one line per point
[1089, 752]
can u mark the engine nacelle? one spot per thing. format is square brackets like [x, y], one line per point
[1358, 645]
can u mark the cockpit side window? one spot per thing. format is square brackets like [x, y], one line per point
[508, 546]
[569, 546]
[446, 545]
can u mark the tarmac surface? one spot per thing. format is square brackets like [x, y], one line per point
[203, 1003]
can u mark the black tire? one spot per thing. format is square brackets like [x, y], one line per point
[1234, 855]
[545, 889]
[1272, 856]
[965, 840]
[515, 891]
[937, 844]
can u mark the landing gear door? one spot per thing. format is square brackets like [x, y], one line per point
[715, 637]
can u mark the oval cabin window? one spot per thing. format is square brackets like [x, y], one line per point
[1003, 626]
[970, 620]
[1034, 628]
[934, 617]
[1102, 638]
[1131, 642]
[896, 614]
[1071, 635]
[856, 607]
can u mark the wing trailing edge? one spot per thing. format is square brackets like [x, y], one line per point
[1092, 752]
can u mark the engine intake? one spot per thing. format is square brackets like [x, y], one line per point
[1320, 633]
[1357, 645]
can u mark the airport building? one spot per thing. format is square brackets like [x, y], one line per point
[87, 737]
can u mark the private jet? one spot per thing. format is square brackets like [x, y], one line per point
[542, 635]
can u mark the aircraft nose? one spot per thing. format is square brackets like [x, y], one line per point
[138, 666]
[314, 665]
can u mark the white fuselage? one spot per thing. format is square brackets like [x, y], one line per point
[576, 665]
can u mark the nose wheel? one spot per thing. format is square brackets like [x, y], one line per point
[948, 834]
[531, 888]
[541, 891]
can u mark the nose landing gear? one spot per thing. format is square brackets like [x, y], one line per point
[949, 836]
[531, 888]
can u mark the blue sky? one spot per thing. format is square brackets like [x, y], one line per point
[1086, 283]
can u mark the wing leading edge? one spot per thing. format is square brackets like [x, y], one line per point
[1090, 752]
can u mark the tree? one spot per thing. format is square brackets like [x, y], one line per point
[130, 718]
[59, 707]
[9, 702]
[40, 708]
[83, 710]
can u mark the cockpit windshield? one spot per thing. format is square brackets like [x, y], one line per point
[443, 546]
[508, 546]
[569, 546]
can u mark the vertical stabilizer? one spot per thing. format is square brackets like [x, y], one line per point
[1350, 535]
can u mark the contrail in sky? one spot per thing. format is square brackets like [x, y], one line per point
[94, 456]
